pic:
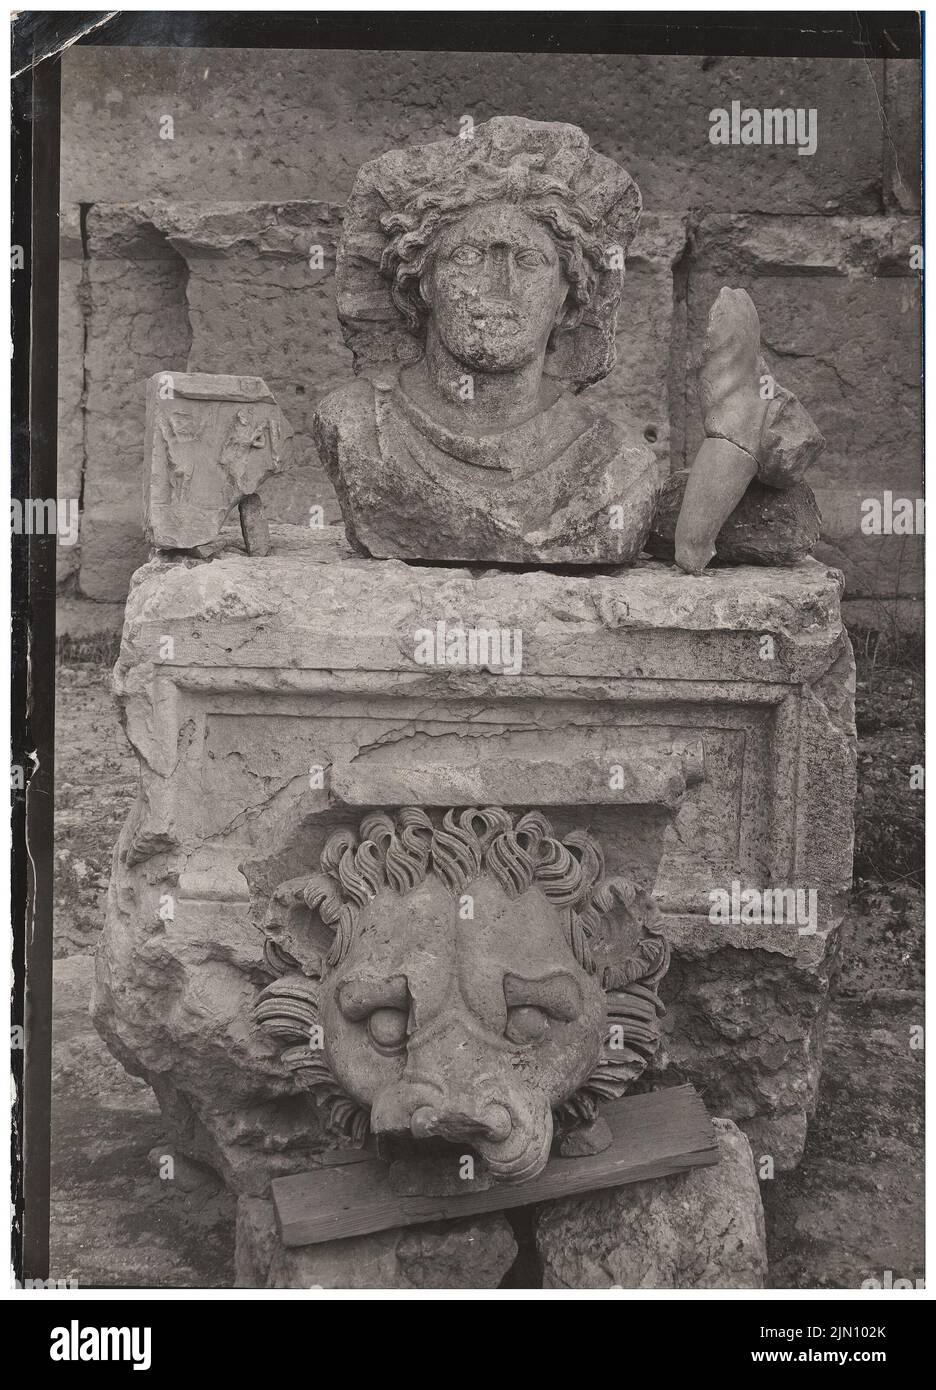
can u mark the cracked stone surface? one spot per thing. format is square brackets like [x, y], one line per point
[289, 699]
[700, 1230]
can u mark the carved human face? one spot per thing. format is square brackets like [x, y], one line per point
[496, 288]
[464, 1028]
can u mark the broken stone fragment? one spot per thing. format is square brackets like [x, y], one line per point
[768, 526]
[754, 429]
[790, 441]
[713, 488]
[729, 390]
[254, 526]
[210, 443]
[698, 1230]
[586, 1139]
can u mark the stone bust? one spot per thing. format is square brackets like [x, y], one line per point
[481, 277]
[478, 283]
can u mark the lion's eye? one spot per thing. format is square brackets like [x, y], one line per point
[386, 1029]
[466, 255]
[526, 1024]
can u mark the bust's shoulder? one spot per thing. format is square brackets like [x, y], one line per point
[348, 405]
[615, 420]
[345, 421]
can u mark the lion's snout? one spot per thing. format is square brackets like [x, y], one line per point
[507, 1125]
[436, 1110]
[460, 1121]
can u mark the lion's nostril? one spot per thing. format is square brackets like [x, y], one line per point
[498, 1122]
[424, 1122]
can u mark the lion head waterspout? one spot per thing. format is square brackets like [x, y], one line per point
[459, 998]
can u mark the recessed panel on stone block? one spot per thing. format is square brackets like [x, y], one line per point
[566, 774]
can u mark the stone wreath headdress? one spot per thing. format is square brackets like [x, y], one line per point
[401, 201]
[311, 924]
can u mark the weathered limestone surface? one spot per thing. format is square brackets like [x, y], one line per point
[701, 1230]
[270, 267]
[135, 325]
[650, 330]
[310, 119]
[207, 270]
[172, 288]
[474, 1253]
[288, 697]
[752, 436]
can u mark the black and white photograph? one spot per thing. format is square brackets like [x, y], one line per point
[468, 647]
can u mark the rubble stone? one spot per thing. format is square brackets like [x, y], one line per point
[700, 1230]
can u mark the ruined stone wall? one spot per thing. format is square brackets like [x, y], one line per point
[198, 252]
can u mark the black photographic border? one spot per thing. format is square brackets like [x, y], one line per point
[38, 40]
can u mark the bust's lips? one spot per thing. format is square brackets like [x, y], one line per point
[495, 317]
[502, 327]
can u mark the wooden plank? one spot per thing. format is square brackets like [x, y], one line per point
[335, 1158]
[655, 1134]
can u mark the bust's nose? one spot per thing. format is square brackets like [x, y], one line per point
[498, 279]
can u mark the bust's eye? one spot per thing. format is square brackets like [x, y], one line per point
[526, 1024]
[466, 255]
[530, 258]
[386, 1029]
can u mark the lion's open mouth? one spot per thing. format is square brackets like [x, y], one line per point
[433, 1167]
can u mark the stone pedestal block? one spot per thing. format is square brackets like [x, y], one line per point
[701, 728]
